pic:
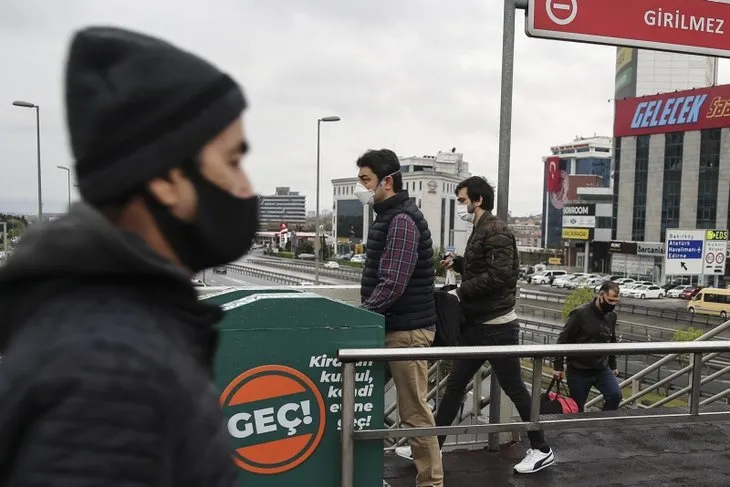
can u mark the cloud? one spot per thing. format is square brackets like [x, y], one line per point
[414, 75]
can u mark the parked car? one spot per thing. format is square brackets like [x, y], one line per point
[332, 264]
[647, 292]
[531, 278]
[676, 291]
[560, 281]
[627, 288]
[525, 271]
[577, 283]
[690, 293]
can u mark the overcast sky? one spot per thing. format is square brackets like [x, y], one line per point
[416, 76]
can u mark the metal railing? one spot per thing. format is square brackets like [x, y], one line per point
[635, 309]
[342, 273]
[267, 275]
[707, 337]
[349, 357]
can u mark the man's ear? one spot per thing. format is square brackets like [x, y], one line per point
[166, 189]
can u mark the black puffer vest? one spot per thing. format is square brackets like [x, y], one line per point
[415, 309]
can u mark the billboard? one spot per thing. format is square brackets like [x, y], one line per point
[556, 196]
[581, 215]
[576, 234]
[691, 26]
[698, 109]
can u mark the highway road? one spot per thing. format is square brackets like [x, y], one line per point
[231, 279]
[668, 303]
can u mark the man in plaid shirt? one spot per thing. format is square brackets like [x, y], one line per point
[397, 282]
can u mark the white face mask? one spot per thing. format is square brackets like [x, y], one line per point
[462, 211]
[365, 195]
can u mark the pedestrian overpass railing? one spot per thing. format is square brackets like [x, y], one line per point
[695, 349]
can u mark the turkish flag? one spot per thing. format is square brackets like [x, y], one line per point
[552, 174]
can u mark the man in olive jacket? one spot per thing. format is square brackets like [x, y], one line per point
[489, 270]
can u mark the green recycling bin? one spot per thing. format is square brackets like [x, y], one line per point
[281, 389]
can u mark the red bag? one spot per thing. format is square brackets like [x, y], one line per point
[556, 403]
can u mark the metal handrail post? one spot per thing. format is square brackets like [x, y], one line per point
[536, 390]
[348, 426]
[694, 397]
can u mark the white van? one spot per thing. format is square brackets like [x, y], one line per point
[547, 277]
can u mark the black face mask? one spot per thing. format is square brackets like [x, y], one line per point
[606, 307]
[223, 229]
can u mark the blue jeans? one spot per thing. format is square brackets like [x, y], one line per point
[581, 381]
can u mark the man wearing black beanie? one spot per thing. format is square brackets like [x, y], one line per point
[107, 352]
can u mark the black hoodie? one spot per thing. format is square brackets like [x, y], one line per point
[107, 352]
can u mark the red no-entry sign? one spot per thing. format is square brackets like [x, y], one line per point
[693, 26]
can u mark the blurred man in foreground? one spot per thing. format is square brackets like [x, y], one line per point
[106, 378]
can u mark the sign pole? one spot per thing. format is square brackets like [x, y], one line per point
[505, 139]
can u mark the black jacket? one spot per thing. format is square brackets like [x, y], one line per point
[586, 324]
[415, 308]
[105, 377]
[489, 270]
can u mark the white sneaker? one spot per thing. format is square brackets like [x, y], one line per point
[534, 461]
[405, 452]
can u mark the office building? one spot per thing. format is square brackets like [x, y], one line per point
[641, 72]
[672, 166]
[284, 206]
[429, 180]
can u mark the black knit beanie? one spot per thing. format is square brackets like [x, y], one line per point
[137, 106]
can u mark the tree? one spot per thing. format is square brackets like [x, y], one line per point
[579, 297]
[16, 225]
[305, 247]
[688, 335]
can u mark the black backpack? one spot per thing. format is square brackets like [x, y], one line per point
[449, 318]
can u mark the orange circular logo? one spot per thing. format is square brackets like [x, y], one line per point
[276, 418]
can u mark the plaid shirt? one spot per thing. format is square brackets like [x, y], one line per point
[396, 264]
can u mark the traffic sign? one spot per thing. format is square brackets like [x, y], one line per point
[715, 256]
[684, 252]
[716, 234]
[692, 26]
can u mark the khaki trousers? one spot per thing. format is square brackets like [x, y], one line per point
[411, 383]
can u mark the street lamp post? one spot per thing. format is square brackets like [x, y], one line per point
[25, 104]
[68, 183]
[317, 243]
